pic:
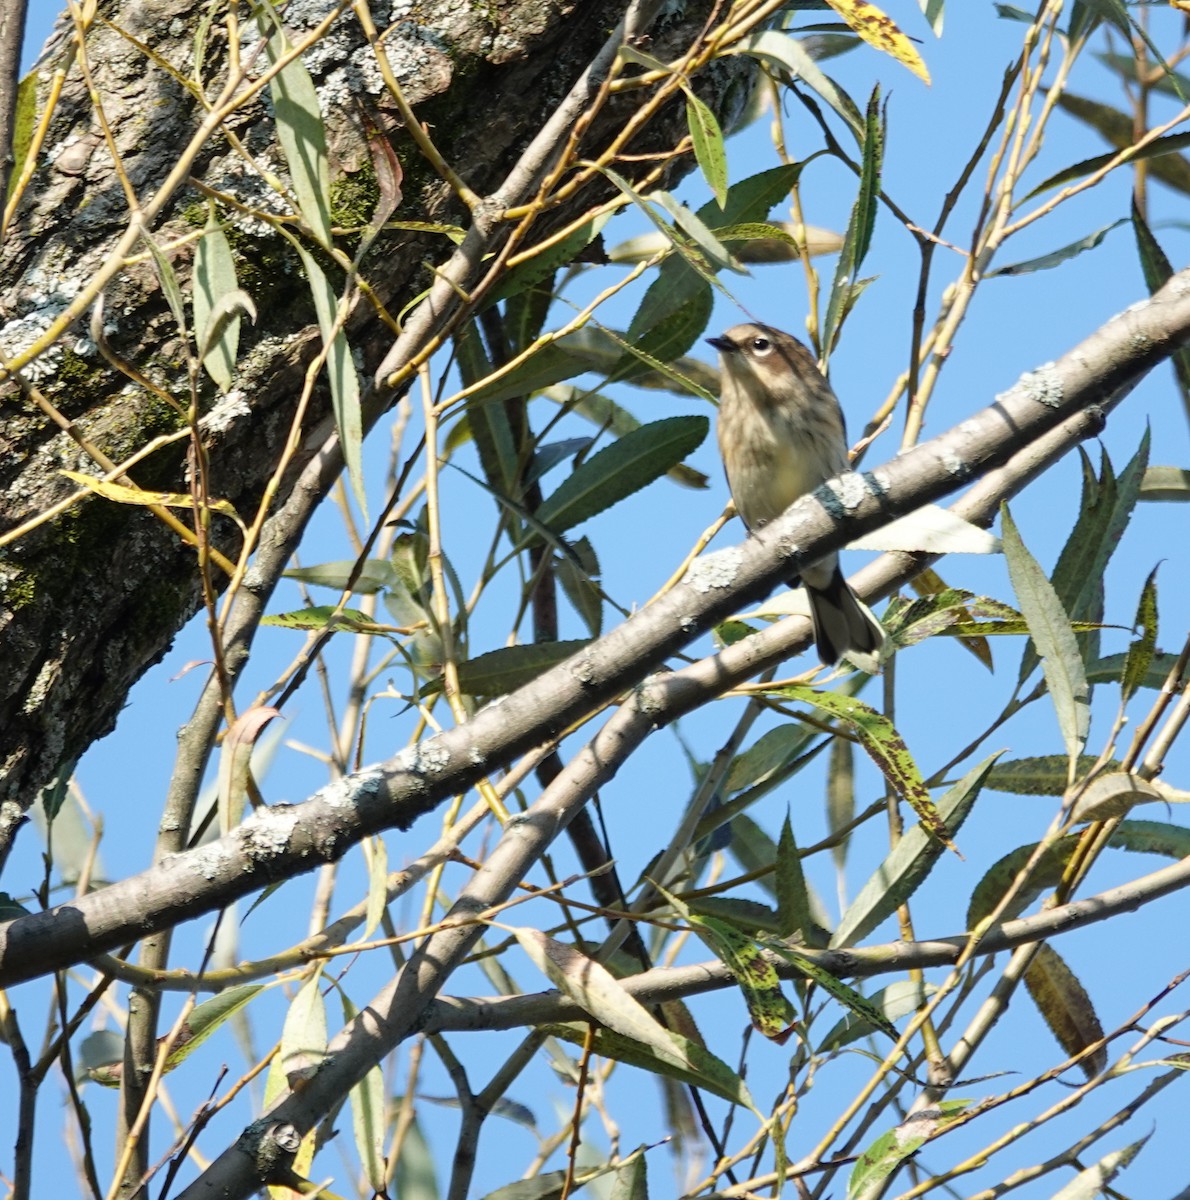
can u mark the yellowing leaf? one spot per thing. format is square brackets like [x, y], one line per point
[122, 494]
[881, 31]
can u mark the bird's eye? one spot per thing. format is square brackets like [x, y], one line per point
[761, 345]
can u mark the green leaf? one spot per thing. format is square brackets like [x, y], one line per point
[709, 151]
[1140, 653]
[578, 574]
[548, 364]
[319, 616]
[1157, 270]
[416, 1176]
[695, 1065]
[214, 278]
[793, 898]
[621, 469]
[488, 422]
[894, 1001]
[499, 672]
[847, 996]
[1065, 1007]
[207, 1017]
[367, 1111]
[1043, 775]
[303, 1036]
[774, 750]
[1057, 257]
[788, 55]
[1093, 1181]
[1171, 82]
[891, 1148]
[846, 287]
[546, 261]
[840, 796]
[1049, 626]
[300, 129]
[1110, 669]
[24, 120]
[1165, 484]
[884, 745]
[669, 337]
[1116, 126]
[375, 574]
[340, 369]
[909, 862]
[771, 1013]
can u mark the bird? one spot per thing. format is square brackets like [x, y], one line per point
[781, 435]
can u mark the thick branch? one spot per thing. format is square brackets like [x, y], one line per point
[288, 840]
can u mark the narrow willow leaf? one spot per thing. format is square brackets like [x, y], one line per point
[1110, 669]
[300, 129]
[845, 288]
[320, 616]
[206, 1017]
[598, 993]
[709, 151]
[1093, 1181]
[374, 575]
[235, 761]
[488, 422]
[895, 1001]
[632, 1181]
[714, 252]
[789, 54]
[774, 750]
[881, 31]
[1112, 795]
[909, 863]
[840, 797]
[367, 1113]
[340, 370]
[504, 670]
[1055, 641]
[377, 887]
[122, 494]
[884, 746]
[933, 10]
[303, 1036]
[1162, 153]
[1164, 484]
[417, 1173]
[214, 277]
[771, 1013]
[1065, 1007]
[540, 268]
[847, 996]
[578, 574]
[1044, 775]
[695, 1066]
[793, 898]
[1055, 258]
[668, 338]
[600, 349]
[622, 469]
[1140, 653]
[1157, 270]
[891, 1149]
[1171, 83]
[547, 365]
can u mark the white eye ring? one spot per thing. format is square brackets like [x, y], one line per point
[761, 346]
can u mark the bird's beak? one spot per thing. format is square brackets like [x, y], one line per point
[722, 344]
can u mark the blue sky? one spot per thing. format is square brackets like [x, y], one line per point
[1015, 325]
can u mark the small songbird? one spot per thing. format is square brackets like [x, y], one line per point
[781, 434]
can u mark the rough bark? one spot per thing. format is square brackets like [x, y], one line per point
[89, 600]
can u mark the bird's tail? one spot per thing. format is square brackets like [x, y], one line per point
[845, 625]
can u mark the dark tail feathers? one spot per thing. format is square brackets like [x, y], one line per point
[843, 623]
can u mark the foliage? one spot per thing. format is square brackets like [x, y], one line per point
[541, 398]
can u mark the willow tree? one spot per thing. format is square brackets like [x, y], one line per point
[239, 237]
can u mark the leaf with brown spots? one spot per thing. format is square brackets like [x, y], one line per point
[881, 31]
